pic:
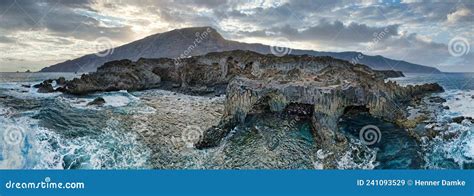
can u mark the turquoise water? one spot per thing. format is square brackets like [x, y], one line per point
[59, 131]
[398, 150]
[455, 147]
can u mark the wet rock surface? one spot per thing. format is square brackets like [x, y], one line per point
[45, 87]
[177, 121]
[437, 99]
[99, 101]
[459, 119]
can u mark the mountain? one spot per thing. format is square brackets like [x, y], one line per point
[202, 40]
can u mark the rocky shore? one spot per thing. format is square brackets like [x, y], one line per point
[319, 89]
[207, 74]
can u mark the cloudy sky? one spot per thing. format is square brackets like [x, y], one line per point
[38, 33]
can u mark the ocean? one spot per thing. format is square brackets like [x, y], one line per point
[58, 131]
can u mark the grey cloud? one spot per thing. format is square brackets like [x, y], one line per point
[203, 3]
[331, 31]
[58, 17]
[413, 49]
[4, 39]
[352, 32]
[13, 59]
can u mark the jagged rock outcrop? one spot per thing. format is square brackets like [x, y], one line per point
[45, 86]
[61, 81]
[391, 73]
[459, 119]
[114, 76]
[209, 73]
[329, 88]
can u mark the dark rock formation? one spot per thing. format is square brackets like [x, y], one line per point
[459, 119]
[99, 101]
[45, 87]
[205, 74]
[114, 76]
[61, 81]
[391, 73]
[437, 99]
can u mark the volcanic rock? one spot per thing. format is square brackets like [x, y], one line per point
[61, 81]
[459, 119]
[44, 87]
[391, 73]
[437, 99]
[99, 101]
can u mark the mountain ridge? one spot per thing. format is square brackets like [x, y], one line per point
[193, 41]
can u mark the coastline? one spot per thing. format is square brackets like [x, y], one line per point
[139, 119]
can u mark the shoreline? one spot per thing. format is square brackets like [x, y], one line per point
[177, 142]
[262, 96]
